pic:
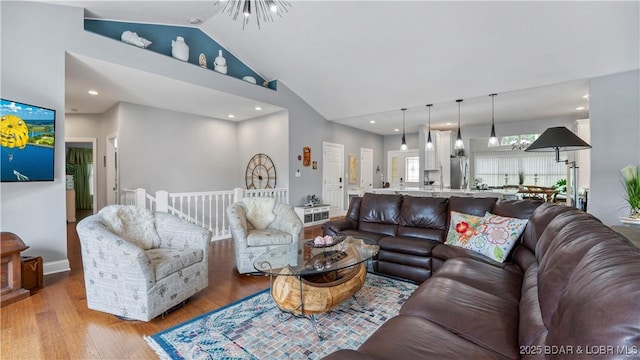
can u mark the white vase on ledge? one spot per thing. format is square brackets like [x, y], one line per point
[180, 49]
[220, 63]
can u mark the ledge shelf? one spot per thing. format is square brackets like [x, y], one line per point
[161, 36]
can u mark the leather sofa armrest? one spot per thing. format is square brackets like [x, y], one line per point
[445, 252]
[335, 226]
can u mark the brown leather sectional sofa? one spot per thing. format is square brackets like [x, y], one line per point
[570, 289]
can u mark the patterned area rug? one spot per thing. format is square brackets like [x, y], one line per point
[254, 327]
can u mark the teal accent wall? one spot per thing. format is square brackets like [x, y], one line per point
[161, 36]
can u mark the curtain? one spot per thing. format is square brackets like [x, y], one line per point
[82, 159]
[497, 168]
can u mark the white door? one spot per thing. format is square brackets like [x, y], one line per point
[332, 177]
[366, 169]
[111, 164]
[398, 170]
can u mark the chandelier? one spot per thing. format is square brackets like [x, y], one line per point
[262, 10]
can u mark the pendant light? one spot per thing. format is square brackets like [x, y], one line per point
[403, 146]
[493, 140]
[459, 145]
[247, 9]
[429, 142]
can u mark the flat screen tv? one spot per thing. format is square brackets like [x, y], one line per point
[27, 138]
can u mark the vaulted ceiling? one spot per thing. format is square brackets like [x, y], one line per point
[357, 61]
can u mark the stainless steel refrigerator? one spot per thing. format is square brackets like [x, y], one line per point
[459, 169]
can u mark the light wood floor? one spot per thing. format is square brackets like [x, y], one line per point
[55, 323]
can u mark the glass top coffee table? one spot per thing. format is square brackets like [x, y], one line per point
[315, 279]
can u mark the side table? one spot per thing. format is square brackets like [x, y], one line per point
[11, 270]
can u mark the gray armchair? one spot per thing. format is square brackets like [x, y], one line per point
[259, 224]
[138, 264]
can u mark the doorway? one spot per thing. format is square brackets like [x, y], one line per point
[80, 160]
[403, 168]
[332, 177]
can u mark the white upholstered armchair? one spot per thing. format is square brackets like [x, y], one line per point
[259, 224]
[138, 264]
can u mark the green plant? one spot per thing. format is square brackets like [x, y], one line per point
[520, 177]
[631, 182]
[561, 185]
[70, 169]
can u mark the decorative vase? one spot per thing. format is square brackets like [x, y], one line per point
[179, 49]
[220, 63]
[634, 213]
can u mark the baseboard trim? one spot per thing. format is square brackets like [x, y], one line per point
[54, 267]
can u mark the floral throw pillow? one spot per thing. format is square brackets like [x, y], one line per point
[493, 237]
[462, 227]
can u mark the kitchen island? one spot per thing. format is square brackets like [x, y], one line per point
[431, 191]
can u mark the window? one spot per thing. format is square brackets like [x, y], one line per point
[518, 142]
[497, 168]
[411, 169]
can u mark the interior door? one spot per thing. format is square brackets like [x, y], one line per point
[366, 169]
[111, 164]
[333, 178]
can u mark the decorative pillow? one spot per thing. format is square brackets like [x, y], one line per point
[493, 236]
[259, 211]
[461, 228]
[132, 223]
[497, 235]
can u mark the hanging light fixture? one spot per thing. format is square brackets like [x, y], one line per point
[459, 145]
[429, 142]
[493, 140]
[262, 10]
[403, 146]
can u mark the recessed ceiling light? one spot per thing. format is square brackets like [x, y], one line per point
[580, 108]
[586, 96]
[257, 108]
[194, 21]
[92, 92]
[230, 116]
[396, 130]
[448, 124]
[372, 121]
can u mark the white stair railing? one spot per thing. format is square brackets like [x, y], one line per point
[206, 209]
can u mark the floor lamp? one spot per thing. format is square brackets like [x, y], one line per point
[558, 139]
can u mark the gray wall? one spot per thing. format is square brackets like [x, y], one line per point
[266, 135]
[614, 107]
[172, 151]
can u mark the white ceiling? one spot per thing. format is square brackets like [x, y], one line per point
[354, 61]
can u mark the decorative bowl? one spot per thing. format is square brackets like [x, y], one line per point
[336, 240]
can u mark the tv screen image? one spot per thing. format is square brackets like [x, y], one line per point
[27, 139]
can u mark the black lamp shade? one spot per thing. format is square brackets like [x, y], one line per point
[558, 139]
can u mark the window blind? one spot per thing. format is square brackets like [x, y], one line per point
[497, 168]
